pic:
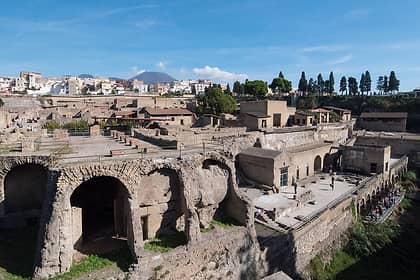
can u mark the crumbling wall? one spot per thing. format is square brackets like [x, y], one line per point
[226, 254]
[147, 187]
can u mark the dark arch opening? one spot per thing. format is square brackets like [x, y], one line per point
[25, 187]
[317, 164]
[101, 217]
[328, 163]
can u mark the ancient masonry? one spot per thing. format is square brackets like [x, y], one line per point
[190, 191]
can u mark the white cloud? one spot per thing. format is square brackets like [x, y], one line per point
[136, 71]
[218, 74]
[324, 48]
[341, 60]
[161, 65]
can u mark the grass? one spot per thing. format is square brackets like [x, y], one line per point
[225, 223]
[166, 243]
[340, 261]
[87, 264]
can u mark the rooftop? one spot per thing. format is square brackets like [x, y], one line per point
[258, 115]
[167, 111]
[261, 153]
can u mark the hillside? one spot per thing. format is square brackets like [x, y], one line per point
[154, 77]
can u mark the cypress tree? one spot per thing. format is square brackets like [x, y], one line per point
[368, 82]
[303, 84]
[380, 85]
[394, 83]
[320, 84]
[362, 83]
[386, 85]
[343, 85]
[331, 83]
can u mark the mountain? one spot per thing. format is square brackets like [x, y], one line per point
[154, 77]
[85, 76]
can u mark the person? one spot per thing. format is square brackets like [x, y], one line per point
[294, 185]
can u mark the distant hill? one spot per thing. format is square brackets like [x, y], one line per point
[154, 77]
[86, 76]
[116, 79]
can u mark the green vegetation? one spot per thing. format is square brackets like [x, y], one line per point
[87, 264]
[280, 84]
[215, 101]
[377, 251]
[408, 181]
[51, 125]
[225, 222]
[166, 243]
[78, 125]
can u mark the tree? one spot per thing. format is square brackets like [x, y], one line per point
[386, 85]
[214, 101]
[281, 85]
[362, 83]
[256, 88]
[227, 90]
[352, 86]
[303, 84]
[281, 75]
[311, 86]
[343, 85]
[394, 83]
[331, 83]
[238, 88]
[368, 82]
[380, 85]
[320, 84]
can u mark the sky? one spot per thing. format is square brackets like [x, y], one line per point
[217, 39]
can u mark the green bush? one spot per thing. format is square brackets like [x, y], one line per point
[79, 125]
[51, 125]
[366, 239]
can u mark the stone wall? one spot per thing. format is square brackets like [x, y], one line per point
[233, 254]
[293, 251]
[208, 188]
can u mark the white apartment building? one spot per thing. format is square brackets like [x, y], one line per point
[6, 83]
[200, 86]
[182, 86]
[139, 86]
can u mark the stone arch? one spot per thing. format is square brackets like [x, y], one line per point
[62, 216]
[25, 187]
[100, 213]
[22, 194]
[163, 205]
[10, 163]
[317, 164]
[327, 163]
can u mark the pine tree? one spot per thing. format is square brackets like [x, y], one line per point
[343, 85]
[320, 84]
[368, 82]
[380, 85]
[331, 83]
[394, 83]
[281, 75]
[303, 84]
[362, 83]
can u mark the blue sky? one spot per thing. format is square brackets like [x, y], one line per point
[223, 40]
